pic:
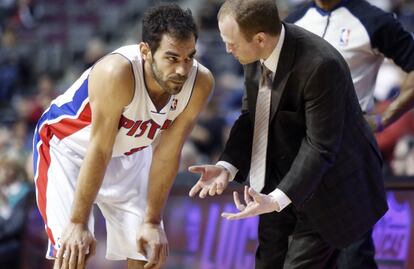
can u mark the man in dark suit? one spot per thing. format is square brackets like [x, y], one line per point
[322, 169]
[364, 35]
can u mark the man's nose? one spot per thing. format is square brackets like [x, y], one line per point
[182, 70]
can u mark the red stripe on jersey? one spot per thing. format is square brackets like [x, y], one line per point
[41, 184]
[66, 127]
[60, 129]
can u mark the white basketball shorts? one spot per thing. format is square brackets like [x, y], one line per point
[121, 198]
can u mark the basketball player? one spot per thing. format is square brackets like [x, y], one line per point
[94, 144]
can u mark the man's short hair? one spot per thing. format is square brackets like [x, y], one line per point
[167, 19]
[253, 16]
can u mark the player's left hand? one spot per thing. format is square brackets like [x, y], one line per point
[255, 204]
[153, 244]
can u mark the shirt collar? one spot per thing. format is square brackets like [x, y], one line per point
[272, 61]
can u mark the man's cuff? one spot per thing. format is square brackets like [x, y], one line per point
[280, 198]
[229, 167]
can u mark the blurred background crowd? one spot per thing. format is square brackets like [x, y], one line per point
[46, 44]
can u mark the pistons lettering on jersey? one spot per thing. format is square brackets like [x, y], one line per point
[138, 128]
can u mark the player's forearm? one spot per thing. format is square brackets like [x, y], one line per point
[403, 103]
[162, 175]
[89, 182]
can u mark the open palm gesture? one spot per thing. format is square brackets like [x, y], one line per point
[213, 180]
[255, 204]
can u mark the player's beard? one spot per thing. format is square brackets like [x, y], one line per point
[158, 76]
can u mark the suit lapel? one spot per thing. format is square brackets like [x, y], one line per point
[284, 67]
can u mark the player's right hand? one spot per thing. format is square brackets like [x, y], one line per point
[213, 180]
[76, 246]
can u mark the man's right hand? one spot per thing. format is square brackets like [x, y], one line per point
[76, 246]
[213, 180]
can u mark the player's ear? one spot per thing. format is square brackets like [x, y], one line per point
[145, 51]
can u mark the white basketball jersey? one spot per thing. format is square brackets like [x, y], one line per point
[69, 116]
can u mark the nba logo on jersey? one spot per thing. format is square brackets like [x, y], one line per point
[174, 104]
[344, 37]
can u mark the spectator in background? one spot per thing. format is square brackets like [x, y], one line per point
[14, 191]
[5, 136]
[46, 91]
[24, 15]
[6, 9]
[207, 135]
[363, 34]
[30, 108]
[95, 50]
[13, 141]
[207, 16]
[9, 67]
[27, 110]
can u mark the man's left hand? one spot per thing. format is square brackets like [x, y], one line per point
[255, 204]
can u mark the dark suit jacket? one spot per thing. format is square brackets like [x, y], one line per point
[321, 152]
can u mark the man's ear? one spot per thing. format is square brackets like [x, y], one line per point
[260, 38]
[145, 51]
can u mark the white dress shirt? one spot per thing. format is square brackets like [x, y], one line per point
[280, 198]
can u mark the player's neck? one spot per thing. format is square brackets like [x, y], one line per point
[327, 4]
[159, 100]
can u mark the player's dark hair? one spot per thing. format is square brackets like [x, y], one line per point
[167, 19]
